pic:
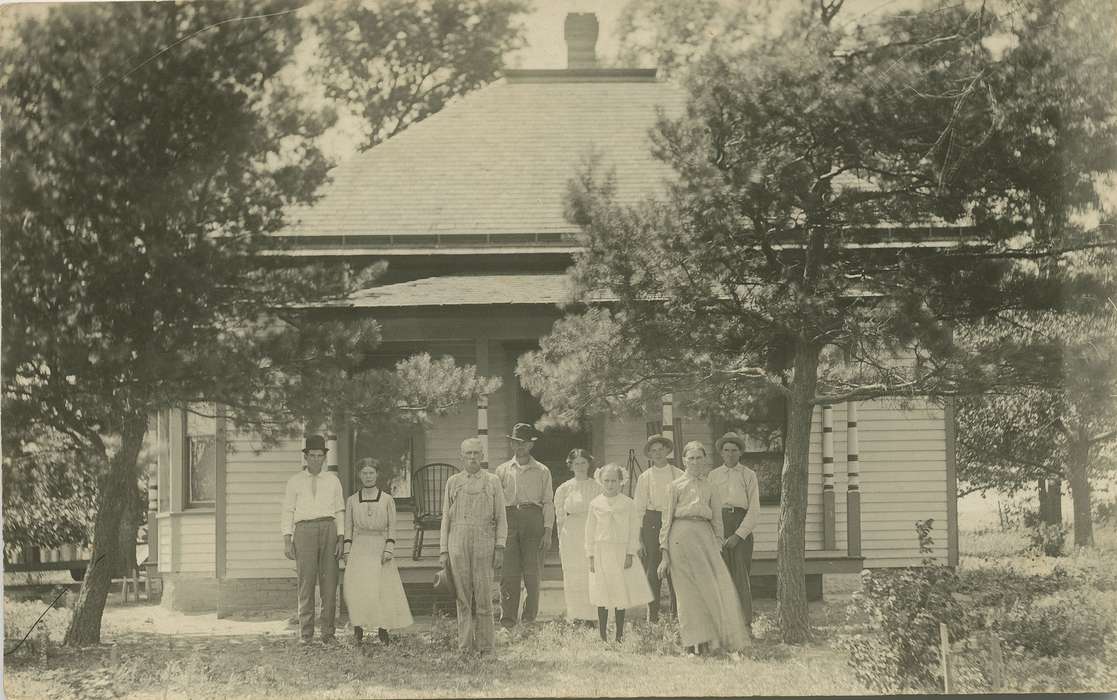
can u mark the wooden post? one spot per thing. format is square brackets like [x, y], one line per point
[996, 662]
[829, 509]
[944, 649]
[668, 417]
[331, 451]
[483, 428]
[481, 346]
[853, 488]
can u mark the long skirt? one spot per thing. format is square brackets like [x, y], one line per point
[575, 568]
[709, 610]
[612, 585]
[373, 591]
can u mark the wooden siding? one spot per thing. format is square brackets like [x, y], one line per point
[255, 483]
[903, 478]
[186, 543]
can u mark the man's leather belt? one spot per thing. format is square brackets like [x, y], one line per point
[316, 520]
[735, 509]
[525, 505]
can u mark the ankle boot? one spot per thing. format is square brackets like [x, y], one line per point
[620, 624]
[382, 634]
[358, 634]
[603, 623]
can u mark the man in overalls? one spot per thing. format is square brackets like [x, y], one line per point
[474, 530]
[653, 488]
[530, 499]
[740, 495]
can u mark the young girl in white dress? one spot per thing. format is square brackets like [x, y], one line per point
[373, 589]
[612, 538]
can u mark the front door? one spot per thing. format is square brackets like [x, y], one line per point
[554, 443]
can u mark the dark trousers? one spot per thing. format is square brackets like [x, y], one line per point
[522, 562]
[315, 564]
[738, 559]
[649, 538]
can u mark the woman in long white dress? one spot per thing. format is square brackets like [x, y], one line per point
[572, 501]
[691, 539]
[373, 589]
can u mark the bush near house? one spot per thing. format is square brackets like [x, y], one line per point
[1056, 621]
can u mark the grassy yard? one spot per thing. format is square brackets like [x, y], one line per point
[548, 660]
[152, 652]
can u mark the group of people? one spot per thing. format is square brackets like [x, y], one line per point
[692, 527]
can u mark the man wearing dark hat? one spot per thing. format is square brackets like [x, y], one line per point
[740, 495]
[653, 490]
[474, 530]
[529, 497]
[313, 522]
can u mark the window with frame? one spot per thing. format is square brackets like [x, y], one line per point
[391, 448]
[765, 432]
[200, 460]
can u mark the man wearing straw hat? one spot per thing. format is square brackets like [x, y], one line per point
[740, 495]
[313, 524]
[471, 542]
[530, 500]
[653, 490]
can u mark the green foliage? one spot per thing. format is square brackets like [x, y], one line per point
[1060, 422]
[133, 203]
[1048, 538]
[905, 608]
[50, 497]
[1038, 610]
[672, 35]
[397, 62]
[1071, 623]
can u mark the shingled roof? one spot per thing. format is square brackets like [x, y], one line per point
[497, 162]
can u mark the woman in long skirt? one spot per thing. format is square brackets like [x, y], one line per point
[612, 538]
[373, 589]
[709, 610]
[572, 502]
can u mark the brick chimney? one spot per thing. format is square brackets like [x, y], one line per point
[580, 32]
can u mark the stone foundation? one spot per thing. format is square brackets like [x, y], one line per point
[253, 595]
[186, 593]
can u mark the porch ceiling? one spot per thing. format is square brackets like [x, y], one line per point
[467, 290]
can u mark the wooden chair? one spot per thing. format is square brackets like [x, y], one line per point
[428, 485]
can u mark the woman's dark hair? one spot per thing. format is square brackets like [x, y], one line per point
[384, 472]
[584, 454]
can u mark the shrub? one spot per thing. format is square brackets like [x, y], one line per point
[905, 608]
[1070, 623]
[20, 616]
[1048, 539]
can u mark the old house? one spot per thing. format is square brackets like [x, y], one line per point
[467, 209]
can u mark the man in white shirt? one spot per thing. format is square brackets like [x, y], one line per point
[653, 489]
[740, 496]
[313, 523]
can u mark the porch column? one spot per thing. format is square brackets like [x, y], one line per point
[829, 539]
[481, 346]
[853, 490]
[483, 427]
[331, 453]
[668, 428]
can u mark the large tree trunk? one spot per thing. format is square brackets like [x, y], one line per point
[1078, 466]
[791, 590]
[115, 496]
[1050, 502]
